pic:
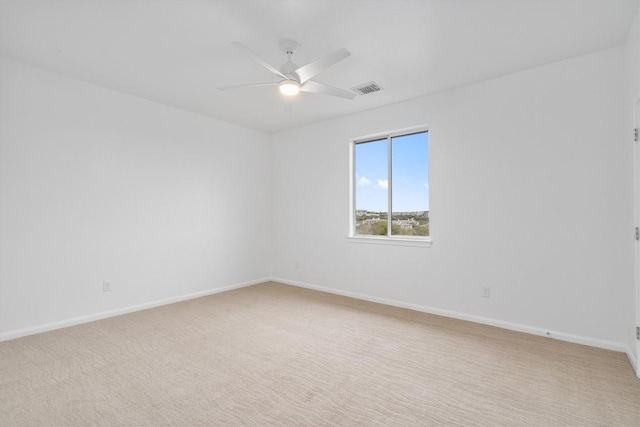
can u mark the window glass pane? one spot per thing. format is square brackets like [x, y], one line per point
[371, 187]
[410, 184]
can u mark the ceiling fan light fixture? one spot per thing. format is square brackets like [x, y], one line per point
[289, 87]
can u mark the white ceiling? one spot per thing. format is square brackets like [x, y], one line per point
[178, 52]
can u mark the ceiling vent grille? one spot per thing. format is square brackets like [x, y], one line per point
[367, 88]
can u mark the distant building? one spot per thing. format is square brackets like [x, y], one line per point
[406, 223]
[371, 221]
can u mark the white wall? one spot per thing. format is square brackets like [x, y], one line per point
[632, 47]
[96, 185]
[531, 194]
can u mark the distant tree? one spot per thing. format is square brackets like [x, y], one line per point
[396, 230]
[422, 230]
[380, 228]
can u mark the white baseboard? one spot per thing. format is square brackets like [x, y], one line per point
[633, 361]
[562, 336]
[578, 339]
[119, 311]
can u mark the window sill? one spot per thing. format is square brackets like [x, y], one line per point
[396, 241]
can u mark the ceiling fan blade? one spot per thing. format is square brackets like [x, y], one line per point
[259, 60]
[315, 87]
[314, 68]
[248, 85]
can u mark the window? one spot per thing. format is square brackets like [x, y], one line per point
[390, 187]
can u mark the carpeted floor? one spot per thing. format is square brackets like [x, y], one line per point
[275, 355]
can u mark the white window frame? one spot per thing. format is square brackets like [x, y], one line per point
[400, 240]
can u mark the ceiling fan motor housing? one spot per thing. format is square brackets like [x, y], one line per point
[289, 70]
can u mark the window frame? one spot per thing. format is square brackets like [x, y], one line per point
[389, 239]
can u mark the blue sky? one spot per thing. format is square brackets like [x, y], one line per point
[410, 174]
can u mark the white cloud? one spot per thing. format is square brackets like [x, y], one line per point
[364, 181]
[382, 183]
[426, 184]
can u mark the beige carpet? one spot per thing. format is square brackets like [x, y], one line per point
[274, 355]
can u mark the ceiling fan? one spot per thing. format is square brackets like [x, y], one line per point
[294, 79]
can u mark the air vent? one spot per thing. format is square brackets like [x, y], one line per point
[367, 88]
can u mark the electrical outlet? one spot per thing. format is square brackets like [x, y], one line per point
[486, 292]
[106, 286]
